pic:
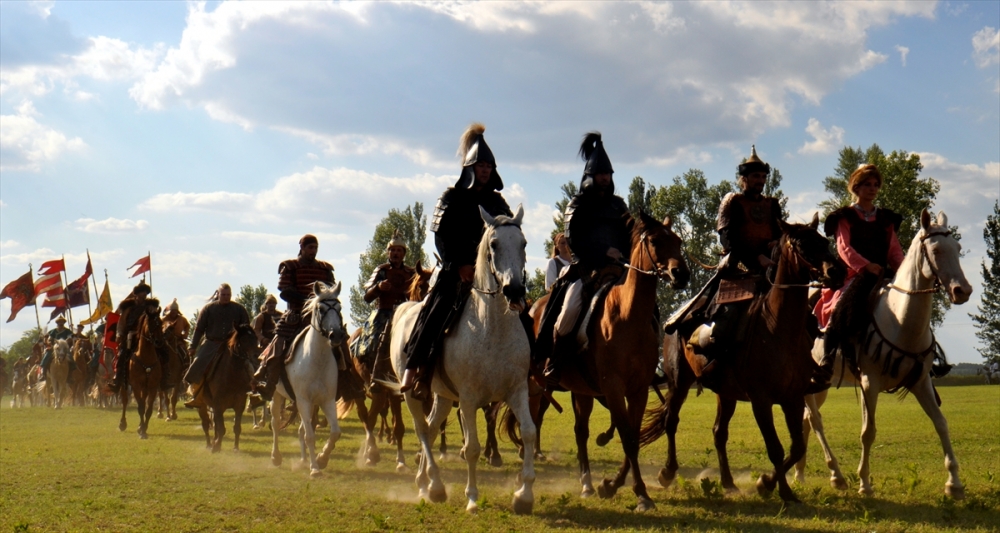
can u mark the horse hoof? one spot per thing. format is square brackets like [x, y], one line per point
[438, 495]
[256, 426]
[401, 468]
[800, 478]
[587, 492]
[764, 485]
[666, 478]
[159, 416]
[539, 456]
[276, 460]
[603, 440]
[315, 473]
[866, 491]
[442, 457]
[606, 489]
[838, 483]
[957, 492]
[522, 506]
[143, 436]
[472, 507]
[423, 495]
[645, 504]
[322, 461]
[123, 426]
[496, 461]
[216, 449]
[369, 463]
[788, 496]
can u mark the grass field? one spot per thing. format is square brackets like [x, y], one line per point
[71, 470]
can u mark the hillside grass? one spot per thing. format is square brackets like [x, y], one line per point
[71, 470]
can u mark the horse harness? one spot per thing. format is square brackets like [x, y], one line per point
[924, 255]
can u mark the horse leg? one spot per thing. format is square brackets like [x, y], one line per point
[219, 418]
[161, 400]
[238, 423]
[428, 476]
[582, 407]
[725, 408]
[814, 419]
[869, 401]
[604, 438]
[675, 400]
[330, 410]
[398, 430]
[307, 436]
[123, 424]
[468, 412]
[924, 391]
[793, 411]
[443, 449]
[174, 397]
[206, 425]
[277, 406]
[627, 421]
[371, 454]
[492, 448]
[524, 497]
[775, 451]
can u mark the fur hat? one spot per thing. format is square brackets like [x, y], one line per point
[597, 160]
[753, 164]
[472, 148]
[142, 287]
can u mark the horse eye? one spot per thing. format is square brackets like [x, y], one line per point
[493, 244]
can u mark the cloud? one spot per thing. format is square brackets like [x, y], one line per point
[39, 255]
[187, 264]
[965, 187]
[219, 201]
[986, 47]
[824, 141]
[10, 243]
[366, 145]
[25, 143]
[110, 225]
[274, 239]
[903, 52]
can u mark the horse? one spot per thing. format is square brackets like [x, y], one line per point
[989, 374]
[19, 386]
[898, 349]
[144, 370]
[82, 349]
[103, 378]
[226, 385]
[313, 374]
[168, 396]
[58, 381]
[771, 366]
[484, 359]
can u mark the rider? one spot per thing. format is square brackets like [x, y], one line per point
[867, 241]
[176, 328]
[295, 283]
[561, 258]
[597, 233]
[265, 322]
[388, 283]
[216, 322]
[61, 333]
[458, 227]
[126, 335]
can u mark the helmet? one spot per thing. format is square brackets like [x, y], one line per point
[592, 151]
[472, 148]
[753, 164]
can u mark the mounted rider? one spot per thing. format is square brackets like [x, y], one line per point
[127, 333]
[458, 227]
[265, 323]
[61, 333]
[748, 228]
[388, 284]
[596, 222]
[216, 323]
[176, 328]
[295, 284]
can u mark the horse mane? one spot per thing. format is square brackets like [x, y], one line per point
[232, 343]
[483, 276]
[420, 276]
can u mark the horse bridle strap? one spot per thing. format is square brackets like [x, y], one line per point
[923, 252]
[798, 259]
[658, 273]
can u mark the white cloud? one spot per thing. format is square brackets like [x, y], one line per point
[219, 201]
[274, 239]
[110, 225]
[25, 143]
[187, 264]
[10, 243]
[903, 52]
[824, 141]
[366, 145]
[965, 187]
[40, 255]
[986, 47]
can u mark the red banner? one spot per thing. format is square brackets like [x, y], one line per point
[21, 292]
[111, 330]
[143, 264]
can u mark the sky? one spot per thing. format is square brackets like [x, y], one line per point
[214, 135]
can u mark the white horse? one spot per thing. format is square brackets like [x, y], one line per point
[990, 372]
[59, 372]
[485, 359]
[312, 374]
[899, 349]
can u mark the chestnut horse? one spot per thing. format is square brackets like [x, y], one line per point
[58, 382]
[80, 376]
[771, 366]
[144, 370]
[226, 385]
[175, 348]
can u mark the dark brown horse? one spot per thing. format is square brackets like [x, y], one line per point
[771, 366]
[621, 356]
[144, 370]
[175, 349]
[80, 376]
[226, 386]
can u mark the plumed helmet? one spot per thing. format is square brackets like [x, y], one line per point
[472, 148]
[592, 151]
[753, 164]
[142, 288]
[396, 240]
[173, 306]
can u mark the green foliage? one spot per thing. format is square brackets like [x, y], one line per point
[252, 298]
[412, 224]
[569, 191]
[535, 285]
[639, 197]
[988, 319]
[21, 347]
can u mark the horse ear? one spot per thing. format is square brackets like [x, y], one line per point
[518, 215]
[336, 289]
[925, 219]
[668, 223]
[785, 227]
[942, 219]
[487, 218]
[815, 221]
[318, 287]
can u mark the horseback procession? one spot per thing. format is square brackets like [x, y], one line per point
[787, 313]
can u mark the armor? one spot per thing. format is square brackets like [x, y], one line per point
[746, 227]
[399, 277]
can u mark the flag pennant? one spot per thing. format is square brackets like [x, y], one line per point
[21, 292]
[57, 311]
[52, 267]
[110, 330]
[48, 283]
[143, 264]
[104, 306]
[77, 293]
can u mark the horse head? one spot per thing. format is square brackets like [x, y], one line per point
[325, 309]
[243, 341]
[61, 350]
[940, 258]
[420, 283]
[808, 254]
[501, 258]
[656, 248]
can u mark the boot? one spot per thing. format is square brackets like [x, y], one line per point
[270, 371]
[409, 380]
[196, 400]
[116, 383]
[562, 350]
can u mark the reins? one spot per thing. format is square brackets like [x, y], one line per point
[923, 253]
[659, 273]
[798, 259]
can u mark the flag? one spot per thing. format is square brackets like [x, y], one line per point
[143, 264]
[110, 328]
[104, 306]
[77, 293]
[52, 267]
[60, 308]
[21, 292]
[48, 283]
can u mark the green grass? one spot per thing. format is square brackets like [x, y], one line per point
[72, 470]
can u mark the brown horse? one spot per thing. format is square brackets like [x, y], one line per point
[620, 360]
[226, 385]
[102, 379]
[175, 348]
[144, 370]
[79, 378]
[771, 366]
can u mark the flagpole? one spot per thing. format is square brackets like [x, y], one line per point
[65, 293]
[89, 311]
[35, 301]
[149, 255]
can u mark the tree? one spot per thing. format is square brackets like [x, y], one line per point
[21, 347]
[412, 224]
[535, 286]
[639, 197]
[988, 319]
[569, 190]
[903, 191]
[252, 298]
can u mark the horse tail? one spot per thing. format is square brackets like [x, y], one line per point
[654, 425]
[511, 426]
[344, 406]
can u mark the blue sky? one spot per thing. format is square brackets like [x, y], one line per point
[215, 134]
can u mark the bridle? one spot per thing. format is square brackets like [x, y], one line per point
[323, 307]
[658, 272]
[924, 255]
[493, 272]
[799, 261]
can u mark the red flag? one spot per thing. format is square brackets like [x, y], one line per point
[77, 293]
[50, 284]
[21, 292]
[143, 264]
[111, 330]
[52, 267]
[60, 309]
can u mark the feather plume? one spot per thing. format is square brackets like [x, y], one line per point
[469, 138]
[589, 144]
